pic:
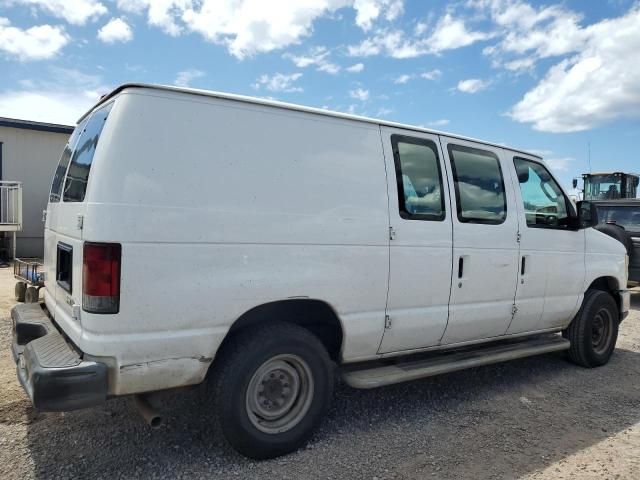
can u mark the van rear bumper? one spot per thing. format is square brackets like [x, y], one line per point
[50, 369]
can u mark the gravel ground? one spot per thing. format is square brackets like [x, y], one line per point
[538, 418]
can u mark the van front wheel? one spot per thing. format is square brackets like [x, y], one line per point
[272, 386]
[594, 331]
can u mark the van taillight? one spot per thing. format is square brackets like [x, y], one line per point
[101, 277]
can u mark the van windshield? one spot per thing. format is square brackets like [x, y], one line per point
[75, 185]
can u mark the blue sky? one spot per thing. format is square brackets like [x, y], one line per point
[550, 77]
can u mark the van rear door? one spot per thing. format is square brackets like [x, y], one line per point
[66, 210]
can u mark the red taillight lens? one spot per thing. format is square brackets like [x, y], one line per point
[101, 277]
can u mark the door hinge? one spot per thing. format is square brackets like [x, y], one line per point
[392, 233]
[80, 222]
[514, 310]
[518, 237]
[44, 216]
[387, 322]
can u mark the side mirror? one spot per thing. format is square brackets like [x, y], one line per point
[587, 215]
[523, 172]
[575, 183]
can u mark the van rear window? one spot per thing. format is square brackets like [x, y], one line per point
[75, 185]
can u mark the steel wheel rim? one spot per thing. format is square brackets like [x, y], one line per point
[601, 331]
[279, 394]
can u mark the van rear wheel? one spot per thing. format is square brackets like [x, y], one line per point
[272, 385]
[594, 331]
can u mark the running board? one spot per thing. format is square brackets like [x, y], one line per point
[435, 364]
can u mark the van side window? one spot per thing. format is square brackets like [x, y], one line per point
[479, 185]
[58, 176]
[545, 205]
[418, 178]
[75, 185]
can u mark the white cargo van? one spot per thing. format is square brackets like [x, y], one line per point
[193, 235]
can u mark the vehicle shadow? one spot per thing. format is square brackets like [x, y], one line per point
[500, 421]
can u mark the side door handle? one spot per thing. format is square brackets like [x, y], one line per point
[460, 267]
[523, 265]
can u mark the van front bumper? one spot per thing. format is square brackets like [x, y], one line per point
[50, 369]
[625, 303]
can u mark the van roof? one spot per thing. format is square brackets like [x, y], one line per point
[292, 106]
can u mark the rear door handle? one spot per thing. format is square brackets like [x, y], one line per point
[460, 267]
[523, 265]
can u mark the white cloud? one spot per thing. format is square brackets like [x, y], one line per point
[450, 33]
[62, 99]
[44, 106]
[356, 68]
[76, 12]
[392, 43]
[559, 164]
[249, 27]
[520, 64]
[116, 30]
[597, 85]
[318, 57]
[359, 94]
[185, 77]
[245, 27]
[431, 74]
[472, 85]
[253, 26]
[160, 13]
[279, 82]
[369, 10]
[402, 79]
[36, 43]
[439, 123]
[528, 34]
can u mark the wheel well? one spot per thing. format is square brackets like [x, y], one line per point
[607, 284]
[314, 315]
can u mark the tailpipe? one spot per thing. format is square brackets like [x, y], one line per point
[150, 414]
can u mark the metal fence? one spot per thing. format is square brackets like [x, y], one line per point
[11, 210]
[10, 206]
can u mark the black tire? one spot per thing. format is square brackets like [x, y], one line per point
[249, 355]
[594, 331]
[31, 295]
[20, 290]
[619, 233]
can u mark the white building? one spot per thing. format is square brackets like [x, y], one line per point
[29, 153]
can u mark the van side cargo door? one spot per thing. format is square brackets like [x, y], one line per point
[485, 230]
[421, 241]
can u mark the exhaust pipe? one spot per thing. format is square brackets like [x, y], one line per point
[150, 414]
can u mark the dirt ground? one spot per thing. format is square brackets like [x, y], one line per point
[537, 418]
